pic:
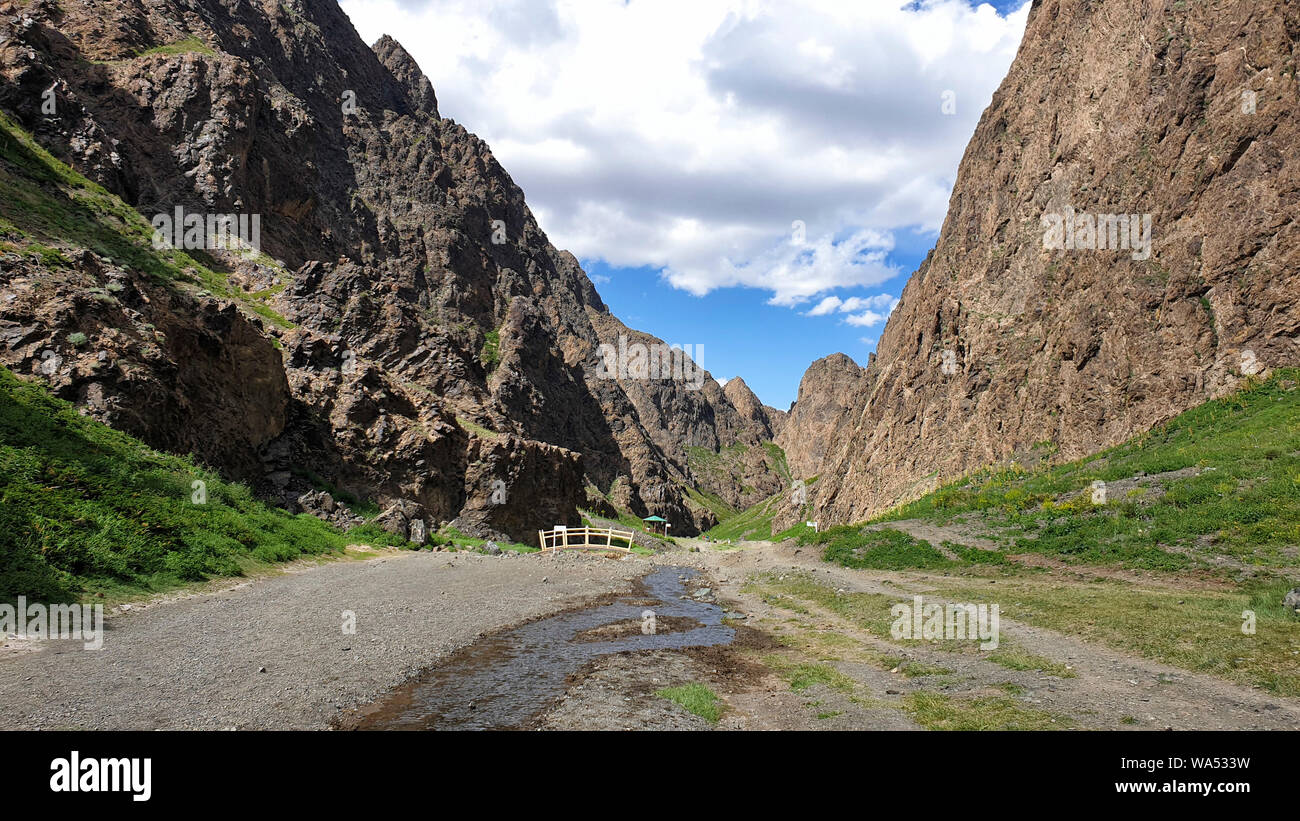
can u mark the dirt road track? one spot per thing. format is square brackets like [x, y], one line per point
[1108, 684]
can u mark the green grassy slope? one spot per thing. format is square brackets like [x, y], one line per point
[1221, 480]
[752, 523]
[85, 509]
[755, 522]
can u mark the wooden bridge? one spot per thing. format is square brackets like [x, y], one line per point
[585, 538]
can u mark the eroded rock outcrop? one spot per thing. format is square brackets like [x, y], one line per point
[829, 387]
[188, 373]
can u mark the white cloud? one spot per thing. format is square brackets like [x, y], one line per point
[827, 306]
[792, 272]
[866, 319]
[690, 141]
[877, 301]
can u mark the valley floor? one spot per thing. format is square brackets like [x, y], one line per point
[273, 654]
[809, 653]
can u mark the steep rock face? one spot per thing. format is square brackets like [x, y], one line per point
[669, 425]
[547, 475]
[829, 387]
[1186, 112]
[190, 374]
[433, 341]
[776, 419]
[754, 412]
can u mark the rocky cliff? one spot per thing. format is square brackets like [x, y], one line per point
[406, 334]
[829, 387]
[1012, 338]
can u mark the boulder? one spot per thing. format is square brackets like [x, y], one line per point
[1292, 600]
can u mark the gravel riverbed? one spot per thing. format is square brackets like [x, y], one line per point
[273, 653]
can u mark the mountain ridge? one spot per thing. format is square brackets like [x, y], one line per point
[439, 355]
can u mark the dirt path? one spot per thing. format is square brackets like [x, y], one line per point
[273, 654]
[936, 534]
[972, 533]
[1108, 688]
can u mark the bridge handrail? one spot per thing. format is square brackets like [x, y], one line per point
[581, 538]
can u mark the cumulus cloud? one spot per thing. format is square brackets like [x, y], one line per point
[874, 309]
[866, 319]
[792, 271]
[831, 304]
[757, 143]
[826, 306]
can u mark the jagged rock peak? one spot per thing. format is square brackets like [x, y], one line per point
[828, 388]
[404, 68]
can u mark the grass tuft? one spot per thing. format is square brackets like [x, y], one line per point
[695, 698]
[936, 711]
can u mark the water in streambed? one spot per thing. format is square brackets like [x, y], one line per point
[506, 679]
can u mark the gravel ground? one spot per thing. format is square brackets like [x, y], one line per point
[618, 693]
[197, 662]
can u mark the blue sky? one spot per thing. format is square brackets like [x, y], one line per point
[743, 335]
[675, 153]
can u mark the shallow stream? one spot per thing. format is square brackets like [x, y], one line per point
[506, 679]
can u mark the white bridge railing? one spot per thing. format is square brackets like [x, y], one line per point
[585, 538]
